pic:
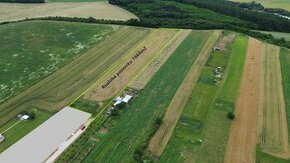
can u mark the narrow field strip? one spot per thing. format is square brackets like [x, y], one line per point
[65, 85]
[136, 124]
[160, 139]
[272, 123]
[242, 141]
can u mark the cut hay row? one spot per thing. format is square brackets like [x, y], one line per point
[242, 141]
[63, 86]
[130, 66]
[98, 10]
[163, 134]
[272, 123]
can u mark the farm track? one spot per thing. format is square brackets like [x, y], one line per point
[272, 122]
[147, 74]
[242, 141]
[160, 139]
[63, 86]
[153, 45]
[98, 10]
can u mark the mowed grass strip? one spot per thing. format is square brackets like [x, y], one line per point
[63, 86]
[202, 131]
[22, 128]
[137, 123]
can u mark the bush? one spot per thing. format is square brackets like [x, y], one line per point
[231, 115]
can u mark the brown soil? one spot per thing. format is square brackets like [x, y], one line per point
[243, 135]
[153, 45]
[99, 10]
[152, 68]
[272, 123]
[163, 134]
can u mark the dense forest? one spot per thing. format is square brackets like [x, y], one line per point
[208, 14]
[23, 1]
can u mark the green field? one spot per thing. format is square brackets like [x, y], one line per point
[22, 128]
[284, 4]
[32, 50]
[63, 86]
[202, 131]
[285, 71]
[77, 0]
[133, 128]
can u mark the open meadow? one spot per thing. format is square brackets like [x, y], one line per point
[62, 87]
[98, 10]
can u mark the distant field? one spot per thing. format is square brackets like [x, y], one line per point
[278, 35]
[62, 87]
[135, 125]
[32, 50]
[21, 129]
[98, 10]
[77, 0]
[284, 4]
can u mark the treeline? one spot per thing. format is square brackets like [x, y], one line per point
[23, 1]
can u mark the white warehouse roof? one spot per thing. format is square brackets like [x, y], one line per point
[40, 143]
[127, 98]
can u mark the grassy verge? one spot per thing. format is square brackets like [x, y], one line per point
[202, 131]
[86, 106]
[22, 128]
[262, 157]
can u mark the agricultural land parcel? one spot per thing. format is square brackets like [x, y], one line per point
[284, 4]
[135, 125]
[98, 10]
[202, 118]
[131, 65]
[61, 87]
[32, 50]
[278, 35]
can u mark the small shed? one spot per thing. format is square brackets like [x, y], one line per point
[24, 117]
[127, 98]
[117, 103]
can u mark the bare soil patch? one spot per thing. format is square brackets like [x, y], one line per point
[159, 141]
[98, 10]
[243, 135]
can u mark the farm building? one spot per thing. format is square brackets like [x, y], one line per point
[40, 144]
[2, 138]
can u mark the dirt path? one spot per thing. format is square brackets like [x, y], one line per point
[272, 123]
[163, 134]
[129, 67]
[147, 74]
[243, 135]
[99, 10]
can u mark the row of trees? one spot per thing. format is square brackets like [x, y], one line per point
[23, 1]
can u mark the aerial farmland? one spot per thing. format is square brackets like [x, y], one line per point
[89, 81]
